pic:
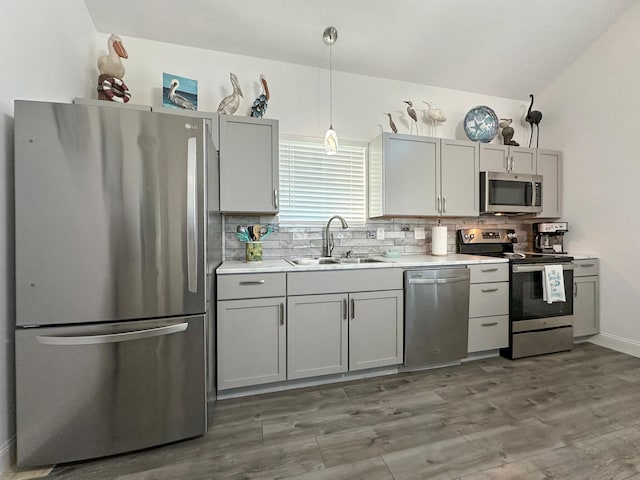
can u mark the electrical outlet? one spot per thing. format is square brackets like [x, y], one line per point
[404, 228]
[419, 233]
[380, 233]
[371, 234]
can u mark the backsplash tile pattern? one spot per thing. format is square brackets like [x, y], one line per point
[307, 241]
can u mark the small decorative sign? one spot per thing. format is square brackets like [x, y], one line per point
[179, 92]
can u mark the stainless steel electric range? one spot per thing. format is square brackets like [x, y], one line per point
[535, 326]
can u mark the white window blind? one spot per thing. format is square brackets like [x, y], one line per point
[315, 186]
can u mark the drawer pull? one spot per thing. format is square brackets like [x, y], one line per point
[491, 324]
[488, 290]
[587, 264]
[487, 270]
[252, 282]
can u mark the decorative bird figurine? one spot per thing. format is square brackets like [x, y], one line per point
[259, 106]
[111, 64]
[229, 104]
[533, 118]
[507, 132]
[392, 125]
[436, 115]
[178, 99]
[412, 113]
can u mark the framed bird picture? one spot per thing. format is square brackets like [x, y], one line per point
[179, 92]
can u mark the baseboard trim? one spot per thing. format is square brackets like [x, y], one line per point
[619, 344]
[7, 454]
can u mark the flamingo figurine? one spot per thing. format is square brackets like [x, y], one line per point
[436, 115]
[533, 118]
[111, 64]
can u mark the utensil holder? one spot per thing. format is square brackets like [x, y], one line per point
[254, 252]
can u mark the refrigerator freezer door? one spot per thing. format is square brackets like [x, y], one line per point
[91, 391]
[110, 214]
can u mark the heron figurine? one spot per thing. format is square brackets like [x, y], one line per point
[533, 118]
[229, 104]
[392, 125]
[436, 115]
[412, 113]
[259, 106]
[178, 99]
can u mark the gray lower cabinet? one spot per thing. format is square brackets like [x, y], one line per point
[507, 158]
[317, 332]
[251, 329]
[333, 328]
[488, 307]
[586, 298]
[549, 165]
[249, 162]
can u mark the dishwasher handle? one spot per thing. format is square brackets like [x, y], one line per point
[432, 281]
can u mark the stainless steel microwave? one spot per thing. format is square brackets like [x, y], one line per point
[510, 193]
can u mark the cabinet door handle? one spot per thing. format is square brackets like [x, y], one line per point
[344, 309]
[587, 264]
[439, 205]
[444, 204]
[252, 282]
[353, 308]
[490, 324]
[281, 313]
[489, 290]
[513, 163]
[575, 289]
[487, 270]
[275, 198]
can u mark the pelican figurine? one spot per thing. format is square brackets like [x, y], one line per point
[178, 99]
[436, 115]
[259, 106]
[392, 125]
[111, 64]
[412, 113]
[229, 104]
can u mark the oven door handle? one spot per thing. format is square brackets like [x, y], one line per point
[536, 268]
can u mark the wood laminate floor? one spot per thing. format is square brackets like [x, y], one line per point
[572, 415]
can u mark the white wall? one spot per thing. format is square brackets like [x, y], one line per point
[300, 95]
[591, 112]
[45, 55]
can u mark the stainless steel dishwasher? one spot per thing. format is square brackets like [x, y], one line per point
[436, 306]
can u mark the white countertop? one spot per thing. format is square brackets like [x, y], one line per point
[280, 265]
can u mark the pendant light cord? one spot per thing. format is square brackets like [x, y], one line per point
[330, 86]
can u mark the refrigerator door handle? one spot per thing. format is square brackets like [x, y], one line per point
[192, 217]
[112, 337]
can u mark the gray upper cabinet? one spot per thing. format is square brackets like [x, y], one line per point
[422, 176]
[404, 175]
[504, 158]
[459, 173]
[248, 165]
[549, 165]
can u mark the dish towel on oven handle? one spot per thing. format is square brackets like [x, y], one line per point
[553, 284]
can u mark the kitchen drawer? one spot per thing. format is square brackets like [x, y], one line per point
[252, 285]
[586, 268]
[359, 280]
[489, 272]
[489, 299]
[488, 333]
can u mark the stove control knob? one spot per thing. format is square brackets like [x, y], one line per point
[513, 237]
[472, 236]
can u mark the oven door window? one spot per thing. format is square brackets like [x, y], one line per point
[526, 297]
[510, 192]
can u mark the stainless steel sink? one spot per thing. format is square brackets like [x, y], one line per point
[361, 260]
[312, 261]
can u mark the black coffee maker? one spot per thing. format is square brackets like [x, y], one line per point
[549, 237]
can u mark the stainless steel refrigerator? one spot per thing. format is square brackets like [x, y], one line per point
[111, 293]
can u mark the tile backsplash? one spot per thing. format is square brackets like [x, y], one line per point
[399, 234]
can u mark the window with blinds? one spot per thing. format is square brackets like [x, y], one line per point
[315, 186]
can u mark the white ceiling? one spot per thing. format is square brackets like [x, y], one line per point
[506, 48]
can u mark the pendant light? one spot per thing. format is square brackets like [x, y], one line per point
[330, 36]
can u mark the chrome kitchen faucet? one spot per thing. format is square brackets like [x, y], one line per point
[328, 244]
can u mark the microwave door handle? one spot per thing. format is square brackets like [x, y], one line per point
[533, 193]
